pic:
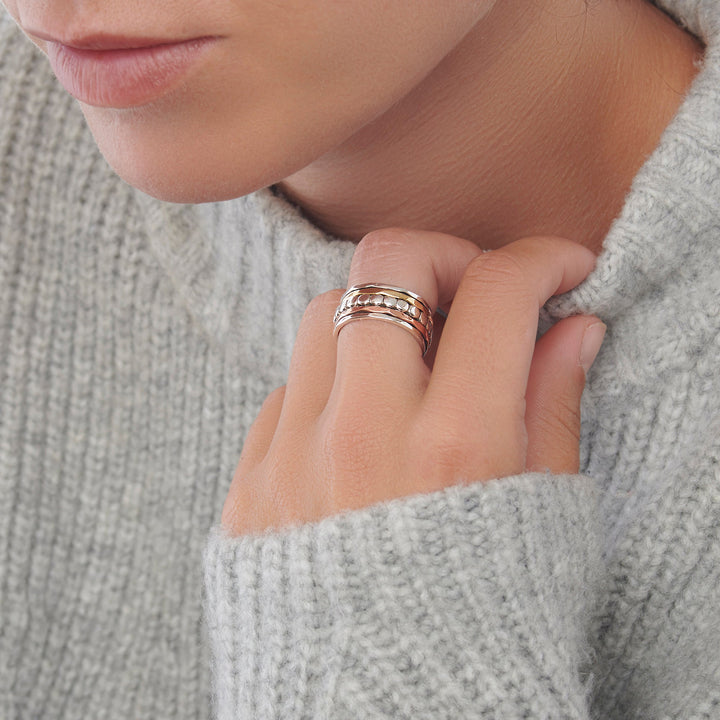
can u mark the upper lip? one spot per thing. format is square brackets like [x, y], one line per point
[104, 41]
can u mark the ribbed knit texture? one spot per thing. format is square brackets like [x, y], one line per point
[137, 341]
[389, 613]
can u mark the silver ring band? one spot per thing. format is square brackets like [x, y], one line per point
[388, 303]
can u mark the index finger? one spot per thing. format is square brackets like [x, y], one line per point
[483, 361]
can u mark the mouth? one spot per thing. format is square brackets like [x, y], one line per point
[121, 72]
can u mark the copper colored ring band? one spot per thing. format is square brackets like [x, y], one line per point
[390, 304]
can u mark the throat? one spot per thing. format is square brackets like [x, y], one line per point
[536, 124]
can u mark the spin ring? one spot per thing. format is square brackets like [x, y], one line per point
[391, 304]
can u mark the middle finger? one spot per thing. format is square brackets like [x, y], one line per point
[378, 361]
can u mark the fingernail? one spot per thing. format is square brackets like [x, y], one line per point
[591, 342]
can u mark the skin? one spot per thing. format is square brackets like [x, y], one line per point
[554, 107]
[489, 120]
[365, 420]
[264, 102]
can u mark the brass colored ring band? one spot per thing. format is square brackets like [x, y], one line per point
[388, 303]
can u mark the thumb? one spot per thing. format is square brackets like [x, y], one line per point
[560, 362]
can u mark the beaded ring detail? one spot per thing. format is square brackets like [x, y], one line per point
[386, 302]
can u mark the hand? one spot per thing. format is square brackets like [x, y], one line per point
[366, 419]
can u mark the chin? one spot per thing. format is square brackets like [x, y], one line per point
[187, 166]
[182, 187]
[183, 176]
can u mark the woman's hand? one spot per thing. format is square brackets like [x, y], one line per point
[365, 419]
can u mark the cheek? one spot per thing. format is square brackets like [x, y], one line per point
[285, 86]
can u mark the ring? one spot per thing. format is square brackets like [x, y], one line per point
[385, 302]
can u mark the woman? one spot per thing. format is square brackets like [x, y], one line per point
[402, 537]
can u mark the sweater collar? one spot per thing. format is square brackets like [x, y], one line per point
[245, 269]
[666, 232]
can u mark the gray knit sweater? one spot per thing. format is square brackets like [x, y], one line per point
[137, 341]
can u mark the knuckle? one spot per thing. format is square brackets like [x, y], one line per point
[500, 279]
[354, 446]
[568, 418]
[560, 426]
[274, 398]
[495, 268]
[447, 454]
[381, 244]
[231, 513]
[456, 453]
[349, 443]
[321, 307]
[546, 244]
[238, 499]
[448, 458]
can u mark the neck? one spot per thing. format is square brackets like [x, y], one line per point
[535, 124]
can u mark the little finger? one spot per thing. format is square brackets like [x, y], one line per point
[261, 432]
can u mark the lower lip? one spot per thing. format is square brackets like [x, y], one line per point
[127, 77]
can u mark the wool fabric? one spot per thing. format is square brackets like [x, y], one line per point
[138, 340]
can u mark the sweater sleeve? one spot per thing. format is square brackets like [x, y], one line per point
[470, 602]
